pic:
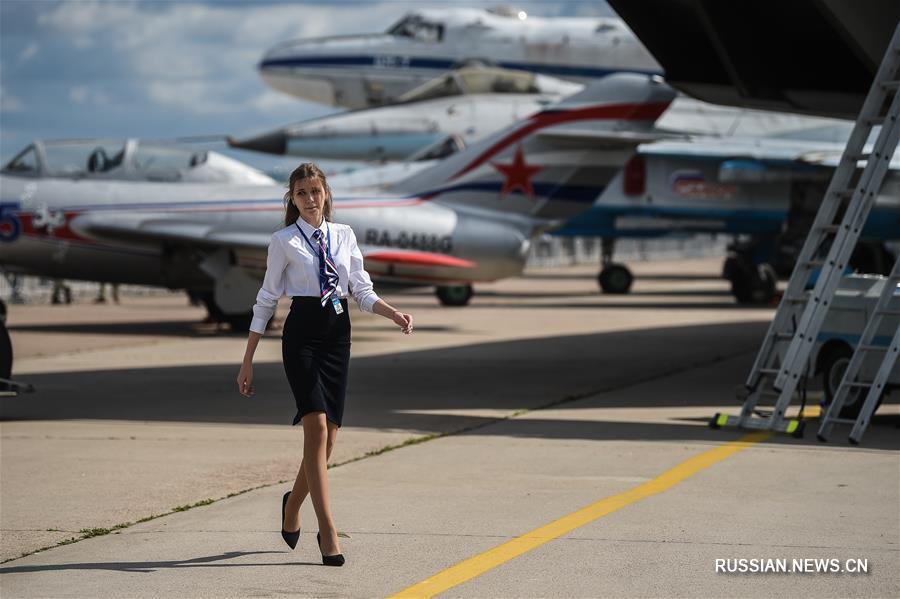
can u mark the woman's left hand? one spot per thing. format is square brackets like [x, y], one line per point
[404, 321]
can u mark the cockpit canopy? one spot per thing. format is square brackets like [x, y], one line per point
[417, 27]
[474, 80]
[128, 160]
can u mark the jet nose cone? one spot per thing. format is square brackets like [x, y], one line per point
[288, 53]
[269, 143]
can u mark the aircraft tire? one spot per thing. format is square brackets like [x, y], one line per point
[615, 279]
[753, 285]
[833, 366]
[454, 295]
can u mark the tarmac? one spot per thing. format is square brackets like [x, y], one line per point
[545, 441]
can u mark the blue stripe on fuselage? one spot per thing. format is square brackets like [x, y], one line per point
[443, 64]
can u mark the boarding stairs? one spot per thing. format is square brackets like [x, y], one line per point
[782, 364]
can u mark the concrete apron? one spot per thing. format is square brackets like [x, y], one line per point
[415, 511]
[136, 412]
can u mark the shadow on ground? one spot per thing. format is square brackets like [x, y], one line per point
[431, 390]
[210, 561]
[185, 329]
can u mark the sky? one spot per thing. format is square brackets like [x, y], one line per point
[168, 69]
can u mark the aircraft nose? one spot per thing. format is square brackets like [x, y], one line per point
[314, 50]
[274, 142]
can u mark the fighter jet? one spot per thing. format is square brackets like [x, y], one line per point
[466, 219]
[130, 160]
[463, 105]
[358, 71]
[765, 191]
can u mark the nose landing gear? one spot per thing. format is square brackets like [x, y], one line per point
[454, 295]
[614, 278]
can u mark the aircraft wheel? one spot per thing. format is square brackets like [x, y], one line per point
[454, 295]
[753, 285]
[615, 278]
[833, 367]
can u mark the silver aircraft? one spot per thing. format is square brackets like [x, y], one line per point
[466, 219]
[458, 108]
[358, 71]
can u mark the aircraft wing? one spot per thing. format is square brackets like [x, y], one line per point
[806, 56]
[779, 151]
[592, 138]
[759, 160]
[155, 228]
[480, 79]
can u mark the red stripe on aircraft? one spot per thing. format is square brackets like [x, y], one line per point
[620, 112]
[383, 276]
[418, 259]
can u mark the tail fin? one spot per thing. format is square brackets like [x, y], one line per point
[556, 162]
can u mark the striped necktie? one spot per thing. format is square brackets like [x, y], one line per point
[328, 275]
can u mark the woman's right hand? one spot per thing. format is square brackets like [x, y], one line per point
[245, 379]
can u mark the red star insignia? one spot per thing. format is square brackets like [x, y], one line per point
[517, 175]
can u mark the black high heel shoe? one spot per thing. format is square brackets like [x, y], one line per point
[329, 560]
[290, 538]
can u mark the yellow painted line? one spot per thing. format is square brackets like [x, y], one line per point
[490, 559]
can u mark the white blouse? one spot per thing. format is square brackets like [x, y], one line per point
[292, 268]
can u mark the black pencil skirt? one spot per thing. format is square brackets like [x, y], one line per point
[315, 347]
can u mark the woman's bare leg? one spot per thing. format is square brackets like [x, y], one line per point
[301, 488]
[315, 443]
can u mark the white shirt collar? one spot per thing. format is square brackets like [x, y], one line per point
[308, 229]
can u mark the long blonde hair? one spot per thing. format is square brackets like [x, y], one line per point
[305, 171]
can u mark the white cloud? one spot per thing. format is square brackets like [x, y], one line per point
[78, 94]
[82, 94]
[9, 103]
[200, 57]
[29, 52]
[269, 100]
[200, 97]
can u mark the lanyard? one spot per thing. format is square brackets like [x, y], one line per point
[314, 248]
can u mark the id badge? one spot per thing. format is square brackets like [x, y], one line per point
[338, 308]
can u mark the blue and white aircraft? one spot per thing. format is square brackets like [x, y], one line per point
[359, 71]
[764, 190]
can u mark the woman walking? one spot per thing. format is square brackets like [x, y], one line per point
[317, 262]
